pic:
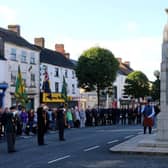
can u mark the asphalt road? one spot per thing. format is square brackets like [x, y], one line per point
[83, 148]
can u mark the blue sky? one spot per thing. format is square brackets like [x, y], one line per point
[131, 29]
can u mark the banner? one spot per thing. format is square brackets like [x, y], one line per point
[56, 98]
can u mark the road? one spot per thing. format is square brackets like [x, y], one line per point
[83, 148]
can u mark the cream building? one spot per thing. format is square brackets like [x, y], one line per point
[15, 51]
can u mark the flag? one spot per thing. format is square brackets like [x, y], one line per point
[64, 90]
[20, 93]
[46, 85]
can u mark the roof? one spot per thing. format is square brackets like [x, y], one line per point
[74, 61]
[125, 69]
[12, 37]
[55, 58]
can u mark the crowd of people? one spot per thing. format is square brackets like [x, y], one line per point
[18, 121]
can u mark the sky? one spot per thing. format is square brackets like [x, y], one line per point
[130, 29]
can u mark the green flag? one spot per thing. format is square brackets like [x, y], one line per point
[64, 90]
[20, 93]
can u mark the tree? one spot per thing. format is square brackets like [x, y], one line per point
[137, 85]
[96, 69]
[155, 90]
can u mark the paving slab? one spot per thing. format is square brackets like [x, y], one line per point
[142, 144]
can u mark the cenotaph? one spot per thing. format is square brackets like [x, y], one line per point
[162, 124]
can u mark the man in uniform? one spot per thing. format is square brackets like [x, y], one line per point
[148, 114]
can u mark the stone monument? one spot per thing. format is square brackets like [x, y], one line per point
[162, 125]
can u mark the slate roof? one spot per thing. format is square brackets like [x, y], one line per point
[12, 37]
[54, 58]
[125, 69]
[74, 61]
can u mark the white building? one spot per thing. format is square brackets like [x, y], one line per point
[118, 89]
[15, 51]
[54, 65]
[124, 70]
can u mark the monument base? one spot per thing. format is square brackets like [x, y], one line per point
[162, 127]
[142, 144]
[154, 143]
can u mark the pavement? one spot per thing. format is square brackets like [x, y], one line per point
[142, 144]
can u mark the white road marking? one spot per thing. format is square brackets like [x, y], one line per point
[91, 148]
[58, 159]
[128, 136]
[110, 142]
[120, 130]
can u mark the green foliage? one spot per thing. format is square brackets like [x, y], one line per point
[96, 68]
[137, 85]
[155, 91]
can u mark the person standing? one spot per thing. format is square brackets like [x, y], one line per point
[82, 115]
[24, 120]
[10, 129]
[148, 114]
[60, 120]
[69, 118]
[41, 120]
[138, 110]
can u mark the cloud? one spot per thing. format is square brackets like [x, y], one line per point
[7, 16]
[144, 53]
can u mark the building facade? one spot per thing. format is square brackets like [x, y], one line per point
[16, 51]
[54, 67]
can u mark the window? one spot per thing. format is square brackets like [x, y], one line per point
[32, 80]
[44, 68]
[73, 89]
[13, 54]
[66, 73]
[56, 87]
[56, 73]
[73, 74]
[23, 56]
[32, 58]
[13, 101]
[13, 78]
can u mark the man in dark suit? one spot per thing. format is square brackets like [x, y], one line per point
[138, 110]
[10, 129]
[60, 116]
[41, 122]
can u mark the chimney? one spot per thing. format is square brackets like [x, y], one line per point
[119, 60]
[14, 28]
[127, 63]
[67, 55]
[39, 41]
[60, 48]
